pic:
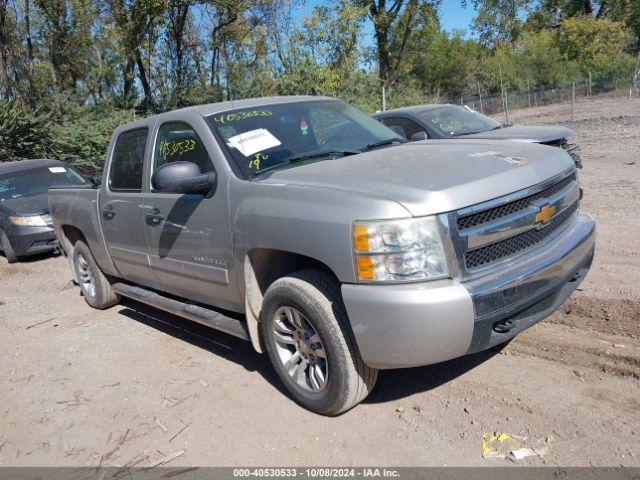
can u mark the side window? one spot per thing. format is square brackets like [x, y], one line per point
[408, 127]
[127, 161]
[178, 142]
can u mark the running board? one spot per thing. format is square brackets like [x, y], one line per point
[204, 316]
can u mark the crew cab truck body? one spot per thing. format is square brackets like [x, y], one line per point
[315, 232]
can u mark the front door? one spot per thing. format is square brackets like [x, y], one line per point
[188, 234]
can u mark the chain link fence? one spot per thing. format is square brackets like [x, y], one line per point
[566, 93]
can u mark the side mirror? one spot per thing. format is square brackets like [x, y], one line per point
[182, 177]
[96, 180]
[421, 135]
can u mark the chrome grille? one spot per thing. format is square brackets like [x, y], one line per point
[483, 235]
[491, 214]
[516, 244]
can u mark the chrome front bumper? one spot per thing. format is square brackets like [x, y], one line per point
[420, 324]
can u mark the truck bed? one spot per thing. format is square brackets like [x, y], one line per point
[75, 211]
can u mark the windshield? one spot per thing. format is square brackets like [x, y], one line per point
[273, 136]
[37, 181]
[453, 121]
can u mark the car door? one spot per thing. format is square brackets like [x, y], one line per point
[120, 207]
[188, 237]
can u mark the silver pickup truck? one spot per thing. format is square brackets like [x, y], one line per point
[315, 232]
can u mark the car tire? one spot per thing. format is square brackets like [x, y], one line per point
[308, 304]
[7, 248]
[94, 285]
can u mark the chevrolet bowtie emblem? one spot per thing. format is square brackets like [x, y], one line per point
[545, 214]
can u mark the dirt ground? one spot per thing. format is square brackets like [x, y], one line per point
[132, 385]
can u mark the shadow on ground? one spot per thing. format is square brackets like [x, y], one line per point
[216, 342]
[392, 384]
[397, 384]
[32, 258]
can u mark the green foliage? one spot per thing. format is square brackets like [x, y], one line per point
[78, 135]
[499, 20]
[81, 135]
[594, 45]
[23, 134]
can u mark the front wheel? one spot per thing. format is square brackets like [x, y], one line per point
[310, 344]
[94, 285]
[7, 248]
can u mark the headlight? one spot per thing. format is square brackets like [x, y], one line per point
[399, 250]
[30, 221]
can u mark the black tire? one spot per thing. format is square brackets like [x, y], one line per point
[7, 248]
[95, 287]
[317, 296]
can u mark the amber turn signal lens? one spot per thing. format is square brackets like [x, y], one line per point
[365, 268]
[361, 238]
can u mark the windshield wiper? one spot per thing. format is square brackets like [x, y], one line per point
[320, 154]
[457, 134]
[309, 156]
[383, 143]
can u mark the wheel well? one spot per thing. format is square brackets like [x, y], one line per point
[262, 267]
[71, 236]
[269, 265]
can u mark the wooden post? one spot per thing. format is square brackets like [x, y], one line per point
[502, 95]
[573, 101]
[506, 106]
[480, 95]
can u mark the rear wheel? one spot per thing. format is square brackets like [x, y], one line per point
[7, 248]
[309, 341]
[94, 285]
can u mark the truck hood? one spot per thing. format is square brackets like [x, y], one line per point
[434, 176]
[34, 205]
[530, 133]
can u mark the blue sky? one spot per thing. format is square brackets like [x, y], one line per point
[452, 15]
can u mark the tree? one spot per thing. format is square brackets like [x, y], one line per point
[500, 20]
[595, 45]
[393, 23]
[134, 20]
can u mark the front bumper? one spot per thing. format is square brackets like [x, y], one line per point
[424, 323]
[28, 241]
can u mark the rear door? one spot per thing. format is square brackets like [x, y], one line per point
[121, 208]
[188, 234]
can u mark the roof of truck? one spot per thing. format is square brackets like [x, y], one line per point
[212, 108]
[21, 165]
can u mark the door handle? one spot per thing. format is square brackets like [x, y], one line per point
[108, 212]
[154, 217]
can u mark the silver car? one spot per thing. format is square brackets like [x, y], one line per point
[446, 121]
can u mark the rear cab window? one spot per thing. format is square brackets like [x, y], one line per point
[127, 161]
